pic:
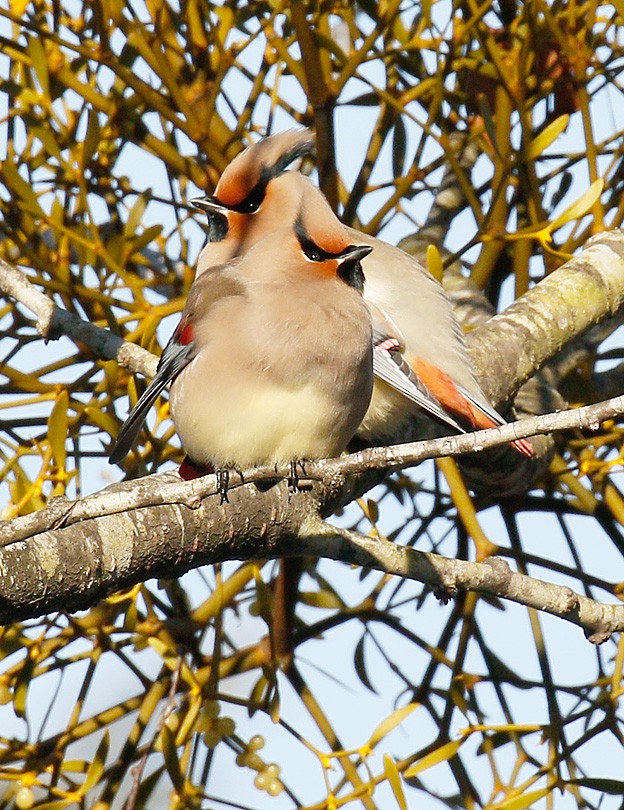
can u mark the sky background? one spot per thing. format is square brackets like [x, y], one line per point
[327, 662]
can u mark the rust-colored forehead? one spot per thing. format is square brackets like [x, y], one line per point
[320, 223]
[269, 156]
[239, 178]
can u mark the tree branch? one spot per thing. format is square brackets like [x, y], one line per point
[120, 549]
[73, 553]
[78, 552]
[494, 576]
[52, 322]
[514, 344]
[165, 489]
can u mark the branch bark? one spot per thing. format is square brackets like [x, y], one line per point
[514, 344]
[73, 553]
[116, 551]
[494, 576]
[166, 489]
[52, 322]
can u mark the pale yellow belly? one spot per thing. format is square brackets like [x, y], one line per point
[265, 425]
[387, 413]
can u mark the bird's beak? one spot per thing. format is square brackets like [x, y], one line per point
[209, 205]
[355, 253]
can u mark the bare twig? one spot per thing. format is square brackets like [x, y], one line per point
[322, 100]
[52, 322]
[494, 576]
[168, 708]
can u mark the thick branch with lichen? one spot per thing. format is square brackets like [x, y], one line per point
[512, 345]
[138, 535]
[331, 473]
[75, 552]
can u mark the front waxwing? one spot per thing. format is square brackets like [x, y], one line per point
[272, 359]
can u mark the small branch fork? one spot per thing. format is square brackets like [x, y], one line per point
[53, 321]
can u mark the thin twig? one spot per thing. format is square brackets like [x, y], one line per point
[168, 708]
[52, 322]
[494, 576]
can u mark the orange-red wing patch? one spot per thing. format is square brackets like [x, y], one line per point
[445, 390]
[524, 447]
[443, 387]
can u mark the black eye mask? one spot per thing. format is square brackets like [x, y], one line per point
[311, 250]
[255, 198]
[349, 269]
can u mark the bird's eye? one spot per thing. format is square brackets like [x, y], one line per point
[252, 201]
[310, 249]
[249, 206]
[313, 253]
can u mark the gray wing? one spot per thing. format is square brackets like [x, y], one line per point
[390, 366]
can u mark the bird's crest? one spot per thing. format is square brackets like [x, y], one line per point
[250, 172]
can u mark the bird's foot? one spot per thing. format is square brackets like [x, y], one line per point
[223, 481]
[293, 478]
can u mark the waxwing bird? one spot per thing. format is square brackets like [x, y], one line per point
[243, 210]
[271, 361]
[421, 361]
[428, 345]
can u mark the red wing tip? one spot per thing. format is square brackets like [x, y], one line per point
[525, 447]
[185, 333]
[188, 470]
[388, 344]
